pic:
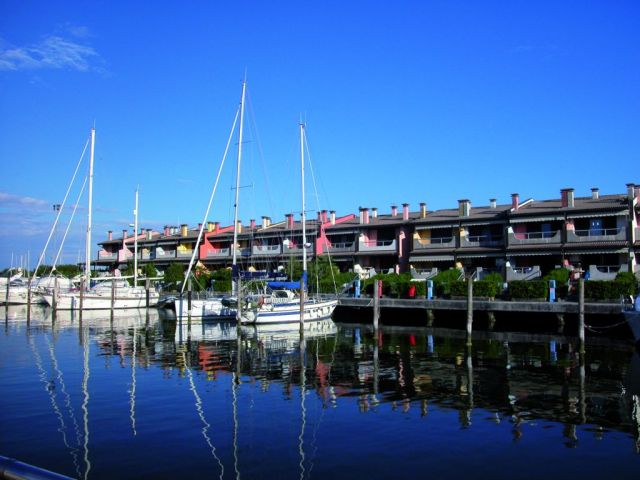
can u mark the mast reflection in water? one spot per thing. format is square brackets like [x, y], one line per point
[134, 394]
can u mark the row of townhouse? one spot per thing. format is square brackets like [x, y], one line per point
[522, 240]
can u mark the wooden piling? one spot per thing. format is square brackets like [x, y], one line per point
[469, 310]
[430, 318]
[491, 316]
[189, 293]
[113, 294]
[376, 304]
[6, 299]
[146, 291]
[81, 294]
[29, 300]
[581, 316]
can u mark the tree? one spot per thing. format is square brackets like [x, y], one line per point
[173, 275]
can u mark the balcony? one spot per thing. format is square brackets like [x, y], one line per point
[243, 252]
[266, 250]
[532, 238]
[606, 272]
[184, 253]
[434, 242]
[482, 241]
[221, 253]
[104, 255]
[144, 256]
[377, 246]
[523, 273]
[597, 235]
[162, 254]
[340, 247]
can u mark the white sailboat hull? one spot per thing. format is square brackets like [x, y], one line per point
[211, 308]
[19, 296]
[290, 312]
[133, 298]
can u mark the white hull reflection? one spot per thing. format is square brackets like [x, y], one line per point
[199, 330]
[286, 336]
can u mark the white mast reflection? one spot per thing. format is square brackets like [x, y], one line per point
[133, 383]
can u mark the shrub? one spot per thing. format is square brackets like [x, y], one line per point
[628, 283]
[527, 289]
[443, 280]
[481, 288]
[605, 290]
[560, 275]
[221, 280]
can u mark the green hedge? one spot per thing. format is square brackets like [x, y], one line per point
[606, 290]
[481, 288]
[527, 289]
[394, 285]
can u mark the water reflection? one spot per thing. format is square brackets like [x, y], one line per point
[219, 374]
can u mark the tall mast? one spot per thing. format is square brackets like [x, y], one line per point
[87, 267]
[135, 242]
[303, 278]
[235, 206]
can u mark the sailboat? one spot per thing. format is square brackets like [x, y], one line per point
[282, 305]
[219, 307]
[108, 293]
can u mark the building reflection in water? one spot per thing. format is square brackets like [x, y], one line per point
[504, 377]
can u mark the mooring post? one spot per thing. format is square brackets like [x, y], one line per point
[81, 293]
[189, 295]
[146, 291]
[560, 317]
[376, 304]
[29, 300]
[492, 320]
[430, 317]
[113, 293]
[469, 309]
[581, 315]
[6, 299]
[54, 298]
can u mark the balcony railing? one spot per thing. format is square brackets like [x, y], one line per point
[482, 241]
[377, 246]
[107, 256]
[529, 238]
[340, 247]
[184, 253]
[223, 252]
[165, 254]
[266, 250]
[243, 251]
[434, 242]
[523, 273]
[606, 272]
[597, 235]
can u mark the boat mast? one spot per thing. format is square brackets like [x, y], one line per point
[135, 242]
[87, 268]
[303, 278]
[235, 206]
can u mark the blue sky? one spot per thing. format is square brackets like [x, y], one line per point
[404, 101]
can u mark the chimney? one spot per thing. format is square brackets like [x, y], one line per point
[289, 220]
[319, 216]
[324, 216]
[631, 191]
[184, 230]
[394, 210]
[209, 227]
[265, 222]
[405, 211]
[332, 214]
[167, 230]
[361, 210]
[492, 203]
[365, 215]
[239, 226]
[515, 201]
[216, 225]
[252, 223]
[464, 207]
[149, 234]
[568, 198]
[110, 235]
[423, 210]
[374, 212]
[124, 234]
[199, 226]
[595, 193]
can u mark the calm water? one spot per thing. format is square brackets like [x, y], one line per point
[141, 396]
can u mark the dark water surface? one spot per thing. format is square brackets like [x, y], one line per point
[140, 396]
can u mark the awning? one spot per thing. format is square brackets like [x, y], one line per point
[432, 258]
[533, 254]
[481, 255]
[435, 226]
[602, 251]
[598, 214]
[550, 218]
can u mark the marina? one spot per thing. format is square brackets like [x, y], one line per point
[125, 394]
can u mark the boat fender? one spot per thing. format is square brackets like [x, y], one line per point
[260, 301]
